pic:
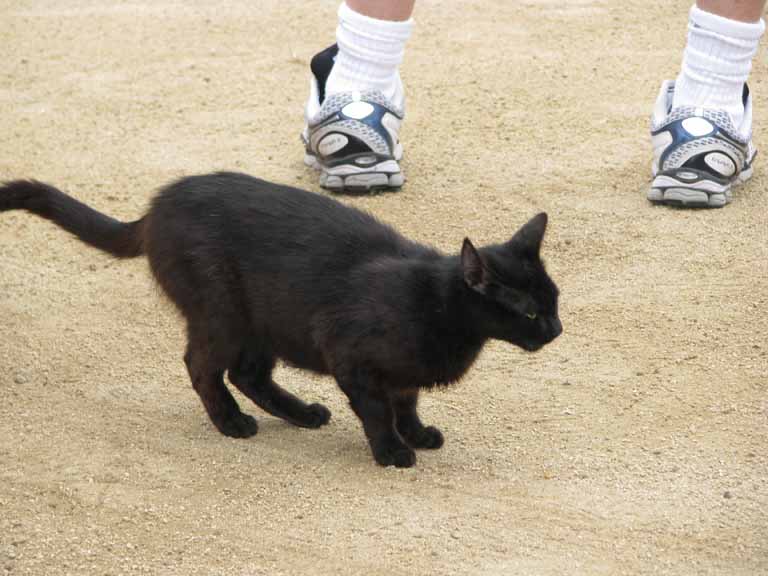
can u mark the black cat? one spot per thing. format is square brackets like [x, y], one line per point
[262, 271]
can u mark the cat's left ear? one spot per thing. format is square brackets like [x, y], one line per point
[529, 238]
[472, 265]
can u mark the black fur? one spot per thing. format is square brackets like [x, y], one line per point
[264, 272]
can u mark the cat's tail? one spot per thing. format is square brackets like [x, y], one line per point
[121, 239]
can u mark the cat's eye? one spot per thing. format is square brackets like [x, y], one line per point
[531, 315]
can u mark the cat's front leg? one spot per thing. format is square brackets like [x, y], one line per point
[409, 424]
[371, 401]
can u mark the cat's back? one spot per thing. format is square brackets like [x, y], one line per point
[252, 213]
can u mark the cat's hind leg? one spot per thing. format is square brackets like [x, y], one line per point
[208, 381]
[252, 375]
[409, 424]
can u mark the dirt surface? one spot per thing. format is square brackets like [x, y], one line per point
[634, 444]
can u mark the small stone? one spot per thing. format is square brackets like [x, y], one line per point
[20, 379]
[727, 494]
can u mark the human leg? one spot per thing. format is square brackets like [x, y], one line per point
[741, 10]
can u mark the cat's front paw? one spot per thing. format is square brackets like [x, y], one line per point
[238, 425]
[398, 456]
[317, 415]
[429, 438]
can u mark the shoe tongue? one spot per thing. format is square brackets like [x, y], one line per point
[321, 65]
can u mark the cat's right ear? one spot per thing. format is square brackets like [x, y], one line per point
[473, 267]
[528, 239]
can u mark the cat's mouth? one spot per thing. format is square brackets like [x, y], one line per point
[532, 346]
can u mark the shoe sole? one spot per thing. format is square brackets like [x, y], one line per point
[679, 189]
[354, 179]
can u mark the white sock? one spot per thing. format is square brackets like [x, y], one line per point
[716, 62]
[370, 53]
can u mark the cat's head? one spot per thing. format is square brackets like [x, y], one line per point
[512, 297]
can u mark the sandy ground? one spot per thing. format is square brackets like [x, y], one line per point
[635, 444]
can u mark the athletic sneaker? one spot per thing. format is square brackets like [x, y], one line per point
[351, 137]
[698, 153]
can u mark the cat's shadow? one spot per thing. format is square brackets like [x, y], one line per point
[336, 443]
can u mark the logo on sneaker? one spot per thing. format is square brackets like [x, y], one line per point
[720, 163]
[332, 143]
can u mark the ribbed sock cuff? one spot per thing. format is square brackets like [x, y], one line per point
[370, 53]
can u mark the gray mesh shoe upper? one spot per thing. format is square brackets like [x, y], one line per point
[352, 125]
